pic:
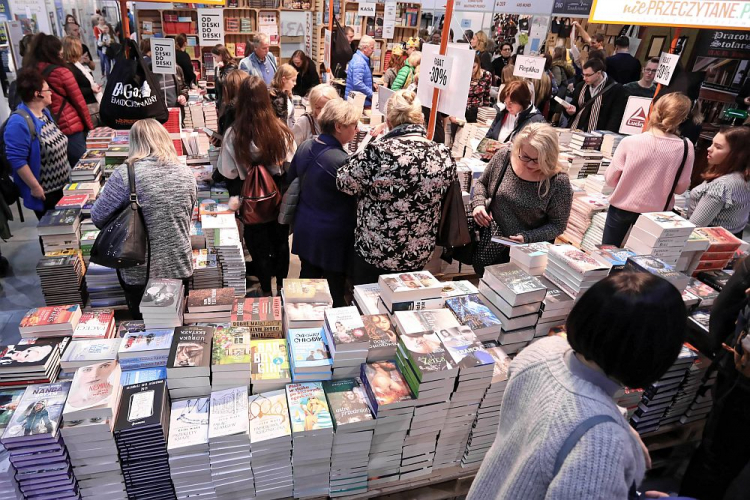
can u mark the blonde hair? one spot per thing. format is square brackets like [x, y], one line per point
[320, 91]
[149, 139]
[338, 111]
[543, 138]
[72, 49]
[366, 41]
[482, 41]
[669, 113]
[507, 76]
[284, 71]
[404, 107]
[415, 59]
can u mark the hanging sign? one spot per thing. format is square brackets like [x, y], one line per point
[452, 101]
[163, 56]
[473, 5]
[634, 118]
[580, 8]
[366, 9]
[529, 67]
[524, 6]
[439, 72]
[667, 64]
[723, 44]
[327, 49]
[211, 26]
[725, 14]
[389, 20]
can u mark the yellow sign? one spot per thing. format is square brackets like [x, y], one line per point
[721, 14]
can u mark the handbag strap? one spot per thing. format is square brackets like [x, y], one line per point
[500, 180]
[679, 173]
[314, 161]
[131, 184]
[135, 205]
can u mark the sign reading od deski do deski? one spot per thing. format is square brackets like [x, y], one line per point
[163, 56]
[211, 26]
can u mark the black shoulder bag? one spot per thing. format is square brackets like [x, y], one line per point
[123, 241]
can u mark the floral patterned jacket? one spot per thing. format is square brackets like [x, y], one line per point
[399, 182]
[479, 91]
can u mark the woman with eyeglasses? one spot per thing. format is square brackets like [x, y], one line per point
[517, 111]
[522, 194]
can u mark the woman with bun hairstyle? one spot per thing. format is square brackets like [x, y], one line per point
[645, 166]
[183, 59]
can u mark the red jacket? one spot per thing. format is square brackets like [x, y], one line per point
[75, 116]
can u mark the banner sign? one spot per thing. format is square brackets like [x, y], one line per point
[211, 26]
[579, 8]
[727, 14]
[634, 118]
[723, 44]
[163, 56]
[524, 6]
[529, 67]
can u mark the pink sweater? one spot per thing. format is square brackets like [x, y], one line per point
[643, 171]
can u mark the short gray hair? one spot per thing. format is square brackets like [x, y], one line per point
[338, 111]
[320, 91]
[366, 41]
[260, 39]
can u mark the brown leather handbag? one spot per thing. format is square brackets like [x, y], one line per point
[260, 197]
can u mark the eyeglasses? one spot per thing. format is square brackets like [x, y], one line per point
[46, 90]
[589, 75]
[646, 70]
[526, 159]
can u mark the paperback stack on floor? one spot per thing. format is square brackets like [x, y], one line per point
[475, 368]
[312, 438]
[86, 352]
[141, 436]
[555, 308]
[206, 270]
[213, 305]
[383, 340]
[222, 235]
[347, 341]
[581, 212]
[722, 245]
[60, 230]
[484, 430]
[393, 407]
[36, 425]
[658, 397]
[163, 303]
[531, 257]
[96, 324]
[653, 265]
[189, 362]
[517, 296]
[271, 445]
[230, 358]
[95, 397]
[366, 298]
[308, 355]
[696, 245]
[229, 444]
[354, 424]
[476, 312]
[594, 235]
[189, 465]
[50, 321]
[407, 291]
[687, 392]
[31, 362]
[661, 234]
[104, 287]
[573, 270]
[147, 349]
[261, 315]
[9, 399]
[269, 365]
[305, 303]
[61, 278]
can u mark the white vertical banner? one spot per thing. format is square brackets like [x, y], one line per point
[211, 26]
[389, 19]
[163, 56]
[452, 100]
[327, 49]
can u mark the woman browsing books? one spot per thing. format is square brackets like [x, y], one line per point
[307, 127]
[281, 93]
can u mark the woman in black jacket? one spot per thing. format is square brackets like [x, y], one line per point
[183, 60]
[480, 43]
[307, 77]
[518, 112]
[223, 65]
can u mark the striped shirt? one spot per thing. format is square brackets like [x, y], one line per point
[722, 202]
[595, 108]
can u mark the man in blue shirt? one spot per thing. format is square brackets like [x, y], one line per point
[261, 62]
[359, 74]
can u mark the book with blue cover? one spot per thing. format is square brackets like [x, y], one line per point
[308, 351]
[472, 311]
[143, 375]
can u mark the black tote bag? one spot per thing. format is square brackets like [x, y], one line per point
[132, 93]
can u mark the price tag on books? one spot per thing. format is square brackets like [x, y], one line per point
[439, 74]
[366, 9]
[667, 64]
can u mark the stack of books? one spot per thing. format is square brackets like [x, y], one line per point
[628, 399]
[555, 308]
[475, 367]
[60, 229]
[696, 245]
[146, 349]
[595, 184]
[220, 229]
[163, 303]
[312, 438]
[189, 465]
[206, 269]
[95, 397]
[86, 352]
[517, 297]
[308, 355]
[383, 339]
[486, 115]
[407, 291]
[271, 444]
[9, 399]
[104, 287]
[99, 138]
[393, 408]
[593, 236]
[305, 303]
[688, 390]
[477, 313]
[484, 430]
[189, 362]
[660, 234]
[354, 424]
[703, 401]
[347, 341]
[722, 245]
[229, 444]
[609, 256]
[31, 362]
[366, 298]
[573, 270]
[582, 211]
[36, 425]
[610, 141]
[96, 324]
[531, 257]
[89, 188]
[230, 358]
[87, 170]
[586, 140]
[269, 365]
[72, 201]
[649, 264]
[61, 278]
[704, 295]
[262, 316]
[50, 321]
[213, 305]
[715, 279]
[579, 164]
[141, 436]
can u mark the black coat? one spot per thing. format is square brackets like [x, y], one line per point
[623, 68]
[183, 61]
[525, 117]
[610, 115]
[306, 80]
[84, 84]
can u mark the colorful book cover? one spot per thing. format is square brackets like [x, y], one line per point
[653, 265]
[457, 288]
[464, 348]
[51, 315]
[346, 326]
[308, 407]
[131, 377]
[143, 343]
[472, 312]
[269, 416]
[94, 387]
[94, 324]
[425, 353]
[385, 384]
[307, 290]
[231, 346]
[217, 298]
[38, 412]
[188, 423]
[347, 401]
[191, 347]
[514, 278]
[258, 311]
[127, 327]
[668, 220]
[26, 357]
[411, 281]
[308, 350]
[9, 399]
[270, 360]
[62, 217]
[380, 331]
[577, 260]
